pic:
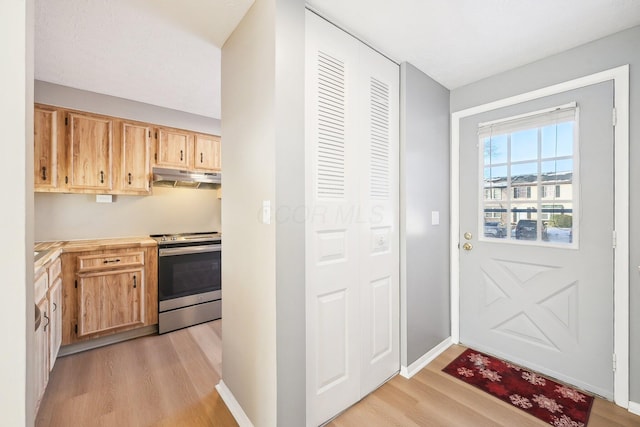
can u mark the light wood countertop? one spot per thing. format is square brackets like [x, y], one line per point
[56, 248]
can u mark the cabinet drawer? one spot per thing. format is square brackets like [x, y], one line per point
[41, 283]
[55, 269]
[110, 261]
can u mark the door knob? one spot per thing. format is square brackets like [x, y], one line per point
[467, 246]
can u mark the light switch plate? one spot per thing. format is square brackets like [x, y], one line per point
[266, 212]
[435, 217]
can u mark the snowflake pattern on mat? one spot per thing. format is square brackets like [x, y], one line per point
[547, 403]
[490, 375]
[565, 421]
[570, 393]
[533, 378]
[465, 372]
[511, 366]
[519, 401]
[478, 359]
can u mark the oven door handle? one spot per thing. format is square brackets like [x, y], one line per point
[189, 250]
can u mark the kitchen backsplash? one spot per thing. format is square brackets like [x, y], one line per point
[168, 210]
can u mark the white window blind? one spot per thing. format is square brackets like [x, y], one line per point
[562, 113]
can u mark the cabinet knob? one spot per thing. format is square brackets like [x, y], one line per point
[201, 158]
[46, 317]
[135, 285]
[101, 177]
[129, 178]
[181, 155]
[44, 173]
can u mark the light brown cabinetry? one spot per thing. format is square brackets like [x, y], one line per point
[179, 149]
[48, 149]
[135, 152]
[41, 359]
[206, 153]
[90, 146]
[174, 148]
[48, 336]
[108, 291]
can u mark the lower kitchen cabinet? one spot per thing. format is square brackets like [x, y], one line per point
[41, 361]
[108, 291]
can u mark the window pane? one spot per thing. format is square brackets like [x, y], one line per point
[557, 166]
[495, 150]
[557, 141]
[524, 145]
[527, 189]
[496, 173]
[528, 171]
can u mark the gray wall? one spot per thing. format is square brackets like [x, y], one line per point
[424, 148]
[168, 210]
[249, 262]
[618, 49]
[16, 215]
[92, 102]
[264, 342]
[290, 192]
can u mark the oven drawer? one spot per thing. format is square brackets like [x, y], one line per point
[110, 261]
[188, 316]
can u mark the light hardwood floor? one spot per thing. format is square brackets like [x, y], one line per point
[433, 398]
[162, 380]
[167, 380]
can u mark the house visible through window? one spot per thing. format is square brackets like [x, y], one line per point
[528, 177]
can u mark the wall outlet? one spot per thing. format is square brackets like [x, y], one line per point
[104, 198]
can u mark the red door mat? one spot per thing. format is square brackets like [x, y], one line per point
[554, 403]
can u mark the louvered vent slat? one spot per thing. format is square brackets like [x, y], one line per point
[379, 142]
[331, 128]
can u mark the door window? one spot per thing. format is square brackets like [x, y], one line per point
[529, 178]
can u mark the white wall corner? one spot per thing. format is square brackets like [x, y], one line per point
[634, 408]
[234, 407]
[428, 357]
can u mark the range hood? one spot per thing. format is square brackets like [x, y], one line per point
[163, 177]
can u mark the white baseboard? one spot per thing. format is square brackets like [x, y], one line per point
[233, 405]
[415, 367]
[634, 408]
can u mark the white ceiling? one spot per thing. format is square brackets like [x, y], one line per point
[166, 52]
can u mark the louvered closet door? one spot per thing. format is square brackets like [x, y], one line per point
[351, 222]
[379, 240]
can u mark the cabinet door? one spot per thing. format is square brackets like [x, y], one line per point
[90, 140]
[108, 300]
[42, 350]
[207, 153]
[174, 148]
[135, 158]
[55, 320]
[45, 148]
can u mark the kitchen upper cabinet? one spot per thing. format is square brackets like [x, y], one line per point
[78, 152]
[206, 153]
[90, 145]
[135, 151]
[45, 139]
[174, 148]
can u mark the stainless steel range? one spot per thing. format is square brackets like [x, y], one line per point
[189, 279]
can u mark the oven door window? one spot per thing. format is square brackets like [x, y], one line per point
[188, 274]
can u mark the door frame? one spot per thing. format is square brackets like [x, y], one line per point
[620, 77]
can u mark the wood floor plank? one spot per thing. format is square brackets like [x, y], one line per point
[168, 380]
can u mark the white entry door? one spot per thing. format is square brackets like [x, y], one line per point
[536, 235]
[352, 243]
